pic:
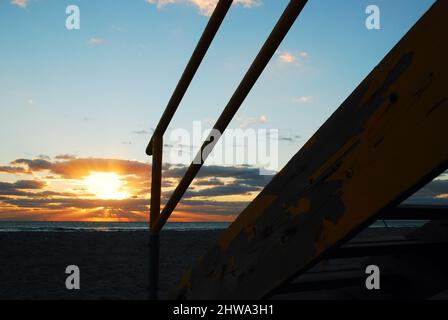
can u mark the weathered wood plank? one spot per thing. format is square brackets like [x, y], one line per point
[383, 143]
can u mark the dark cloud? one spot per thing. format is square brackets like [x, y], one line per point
[140, 132]
[34, 165]
[432, 193]
[21, 189]
[244, 180]
[65, 157]
[226, 190]
[44, 157]
[226, 208]
[212, 181]
[242, 173]
[9, 189]
[209, 182]
[32, 196]
[29, 184]
[78, 168]
[12, 170]
[79, 203]
[82, 167]
[33, 199]
[290, 138]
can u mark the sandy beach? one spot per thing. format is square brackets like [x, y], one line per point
[114, 265]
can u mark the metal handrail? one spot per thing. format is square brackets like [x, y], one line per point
[264, 56]
[155, 146]
[190, 70]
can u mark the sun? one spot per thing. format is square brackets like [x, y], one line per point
[106, 185]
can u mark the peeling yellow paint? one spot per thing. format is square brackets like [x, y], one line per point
[328, 163]
[326, 237]
[372, 164]
[248, 217]
[400, 145]
[303, 205]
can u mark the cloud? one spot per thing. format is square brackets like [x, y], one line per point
[95, 41]
[226, 190]
[287, 57]
[73, 168]
[29, 184]
[9, 189]
[44, 157]
[140, 132]
[218, 209]
[242, 175]
[21, 188]
[303, 99]
[291, 138]
[434, 193]
[209, 182]
[56, 190]
[205, 7]
[33, 165]
[65, 157]
[248, 122]
[20, 3]
[12, 170]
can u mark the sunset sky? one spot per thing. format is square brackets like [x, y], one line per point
[77, 107]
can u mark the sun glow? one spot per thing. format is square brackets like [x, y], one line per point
[106, 185]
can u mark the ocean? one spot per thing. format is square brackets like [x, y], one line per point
[31, 226]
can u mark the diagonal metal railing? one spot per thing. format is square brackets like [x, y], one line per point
[155, 146]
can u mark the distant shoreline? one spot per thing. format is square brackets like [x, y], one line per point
[54, 226]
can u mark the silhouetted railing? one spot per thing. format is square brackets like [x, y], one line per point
[155, 146]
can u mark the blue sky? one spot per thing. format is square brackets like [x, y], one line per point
[77, 106]
[61, 94]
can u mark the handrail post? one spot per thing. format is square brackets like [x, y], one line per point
[192, 67]
[155, 146]
[154, 241]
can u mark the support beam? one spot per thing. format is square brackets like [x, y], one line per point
[156, 183]
[380, 146]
